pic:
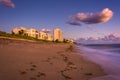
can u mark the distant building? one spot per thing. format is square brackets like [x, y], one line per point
[49, 37]
[58, 35]
[44, 36]
[17, 30]
[68, 41]
[33, 33]
[41, 35]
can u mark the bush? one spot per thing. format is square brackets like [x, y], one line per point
[17, 36]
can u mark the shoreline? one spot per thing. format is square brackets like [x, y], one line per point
[103, 58]
[44, 61]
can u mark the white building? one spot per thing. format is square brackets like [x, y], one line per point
[58, 35]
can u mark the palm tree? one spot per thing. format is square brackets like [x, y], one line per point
[21, 32]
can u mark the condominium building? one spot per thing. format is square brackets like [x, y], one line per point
[33, 33]
[16, 30]
[49, 37]
[44, 36]
[58, 35]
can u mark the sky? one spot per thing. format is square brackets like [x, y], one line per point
[78, 19]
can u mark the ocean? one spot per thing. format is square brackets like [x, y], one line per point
[114, 48]
[106, 55]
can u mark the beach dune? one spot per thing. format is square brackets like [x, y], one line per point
[28, 60]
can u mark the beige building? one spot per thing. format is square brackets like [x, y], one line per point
[44, 36]
[58, 35]
[16, 30]
[33, 33]
[49, 37]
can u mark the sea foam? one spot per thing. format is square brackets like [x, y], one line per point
[109, 61]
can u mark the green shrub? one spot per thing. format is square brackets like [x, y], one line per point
[19, 36]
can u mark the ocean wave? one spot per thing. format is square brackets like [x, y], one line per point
[109, 61]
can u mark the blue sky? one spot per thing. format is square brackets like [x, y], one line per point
[51, 14]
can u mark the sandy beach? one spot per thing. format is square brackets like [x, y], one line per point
[26, 60]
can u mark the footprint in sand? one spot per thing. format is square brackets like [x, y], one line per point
[23, 72]
[33, 78]
[32, 68]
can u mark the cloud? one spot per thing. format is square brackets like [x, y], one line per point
[72, 22]
[92, 18]
[46, 30]
[111, 38]
[7, 3]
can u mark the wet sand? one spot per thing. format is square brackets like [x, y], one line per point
[28, 60]
[110, 62]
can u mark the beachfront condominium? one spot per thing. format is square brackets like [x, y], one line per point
[44, 36]
[58, 36]
[32, 33]
[17, 30]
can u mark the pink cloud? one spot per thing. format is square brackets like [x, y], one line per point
[7, 3]
[93, 18]
[111, 38]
